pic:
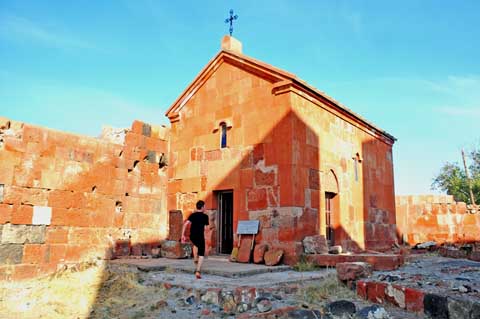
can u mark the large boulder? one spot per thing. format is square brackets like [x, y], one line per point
[353, 270]
[175, 250]
[315, 245]
[273, 257]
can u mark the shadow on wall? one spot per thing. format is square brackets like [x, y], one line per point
[379, 196]
[276, 164]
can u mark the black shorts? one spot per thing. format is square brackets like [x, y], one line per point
[199, 242]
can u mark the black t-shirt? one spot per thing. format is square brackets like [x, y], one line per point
[199, 220]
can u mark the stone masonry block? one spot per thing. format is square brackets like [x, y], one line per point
[22, 214]
[5, 214]
[20, 234]
[414, 300]
[42, 215]
[175, 223]
[34, 254]
[436, 306]
[146, 130]
[463, 308]
[11, 253]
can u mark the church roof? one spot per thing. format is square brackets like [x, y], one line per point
[271, 73]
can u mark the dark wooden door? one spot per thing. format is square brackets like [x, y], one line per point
[225, 222]
[329, 213]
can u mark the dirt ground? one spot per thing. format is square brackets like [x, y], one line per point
[94, 290]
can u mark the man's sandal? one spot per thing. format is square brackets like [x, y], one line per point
[198, 275]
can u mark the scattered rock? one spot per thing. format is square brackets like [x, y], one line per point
[465, 289]
[228, 303]
[306, 314]
[372, 312]
[175, 250]
[341, 307]
[353, 270]
[273, 257]
[211, 297]
[390, 278]
[190, 300]
[426, 245]
[242, 307]
[315, 245]
[159, 305]
[259, 252]
[264, 305]
[335, 250]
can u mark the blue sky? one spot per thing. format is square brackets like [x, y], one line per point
[411, 67]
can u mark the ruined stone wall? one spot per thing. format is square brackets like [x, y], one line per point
[328, 145]
[422, 218]
[65, 198]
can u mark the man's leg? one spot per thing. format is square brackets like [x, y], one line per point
[200, 262]
[195, 253]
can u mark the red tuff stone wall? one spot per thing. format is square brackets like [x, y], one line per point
[65, 198]
[436, 218]
[283, 153]
[327, 145]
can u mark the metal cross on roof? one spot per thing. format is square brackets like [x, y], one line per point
[230, 20]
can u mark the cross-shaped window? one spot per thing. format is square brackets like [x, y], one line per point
[223, 137]
[356, 161]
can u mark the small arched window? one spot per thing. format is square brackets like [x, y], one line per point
[223, 136]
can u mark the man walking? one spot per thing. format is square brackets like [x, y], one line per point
[198, 221]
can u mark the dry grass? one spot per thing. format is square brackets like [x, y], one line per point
[326, 290]
[304, 265]
[86, 291]
[67, 294]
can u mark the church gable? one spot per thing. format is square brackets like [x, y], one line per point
[229, 89]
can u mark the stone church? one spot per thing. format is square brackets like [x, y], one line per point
[258, 143]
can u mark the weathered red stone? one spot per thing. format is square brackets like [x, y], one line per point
[273, 257]
[474, 255]
[259, 252]
[362, 289]
[315, 245]
[376, 291]
[353, 270]
[175, 250]
[175, 224]
[245, 250]
[414, 300]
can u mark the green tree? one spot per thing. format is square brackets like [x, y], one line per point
[453, 180]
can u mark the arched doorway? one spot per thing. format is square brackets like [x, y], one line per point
[332, 201]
